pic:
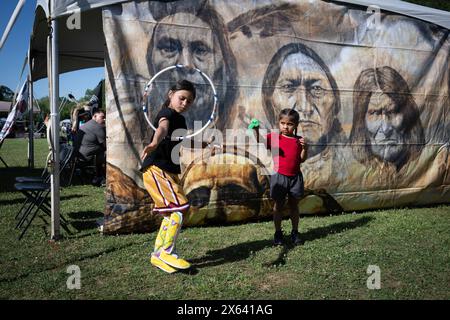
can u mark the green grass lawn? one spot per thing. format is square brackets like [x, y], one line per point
[410, 247]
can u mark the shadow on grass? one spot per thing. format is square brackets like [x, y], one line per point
[318, 233]
[244, 250]
[85, 220]
[75, 261]
[85, 215]
[323, 232]
[72, 224]
[12, 202]
[230, 254]
[21, 199]
[84, 225]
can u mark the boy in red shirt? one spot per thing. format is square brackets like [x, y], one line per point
[288, 150]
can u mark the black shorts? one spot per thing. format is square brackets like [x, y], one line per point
[281, 186]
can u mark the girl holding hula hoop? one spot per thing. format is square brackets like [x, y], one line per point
[160, 175]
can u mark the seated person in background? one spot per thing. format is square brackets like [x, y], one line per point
[90, 143]
[84, 112]
[80, 115]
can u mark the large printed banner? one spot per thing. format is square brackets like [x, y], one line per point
[371, 88]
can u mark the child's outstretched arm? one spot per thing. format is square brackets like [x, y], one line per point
[304, 152]
[254, 126]
[160, 133]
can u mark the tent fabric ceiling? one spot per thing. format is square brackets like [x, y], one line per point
[78, 48]
[65, 7]
[84, 48]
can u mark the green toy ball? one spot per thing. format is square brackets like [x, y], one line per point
[254, 124]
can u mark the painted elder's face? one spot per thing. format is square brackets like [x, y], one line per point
[174, 43]
[193, 46]
[384, 124]
[303, 85]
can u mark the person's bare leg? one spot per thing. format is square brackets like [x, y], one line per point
[277, 218]
[277, 215]
[294, 212]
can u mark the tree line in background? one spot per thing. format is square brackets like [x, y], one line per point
[6, 94]
[44, 104]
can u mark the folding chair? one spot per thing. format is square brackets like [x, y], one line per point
[36, 194]
[6, 165]
[45, 175]
[43, 178]
[1, 159]
[83, 170]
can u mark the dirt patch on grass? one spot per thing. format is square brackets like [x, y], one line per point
[274, 281]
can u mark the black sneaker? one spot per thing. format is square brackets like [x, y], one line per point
[278, 238]
[295, 238]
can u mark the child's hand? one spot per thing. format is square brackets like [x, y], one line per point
[304, 151]
[147, 150]
[254, 124]
[303, 142]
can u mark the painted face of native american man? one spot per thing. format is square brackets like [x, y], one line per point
[298, 78]
[203, 45]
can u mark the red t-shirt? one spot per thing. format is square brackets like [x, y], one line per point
[286, 153]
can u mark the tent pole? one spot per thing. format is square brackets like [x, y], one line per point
[54, 117]
[31, 115]
[11, 22]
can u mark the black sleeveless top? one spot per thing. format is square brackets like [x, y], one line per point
[162, 156]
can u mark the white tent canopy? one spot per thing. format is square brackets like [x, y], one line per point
[78, 48]
[84, 48]
[66, 7]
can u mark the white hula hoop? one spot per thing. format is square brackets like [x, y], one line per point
[149, 86]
